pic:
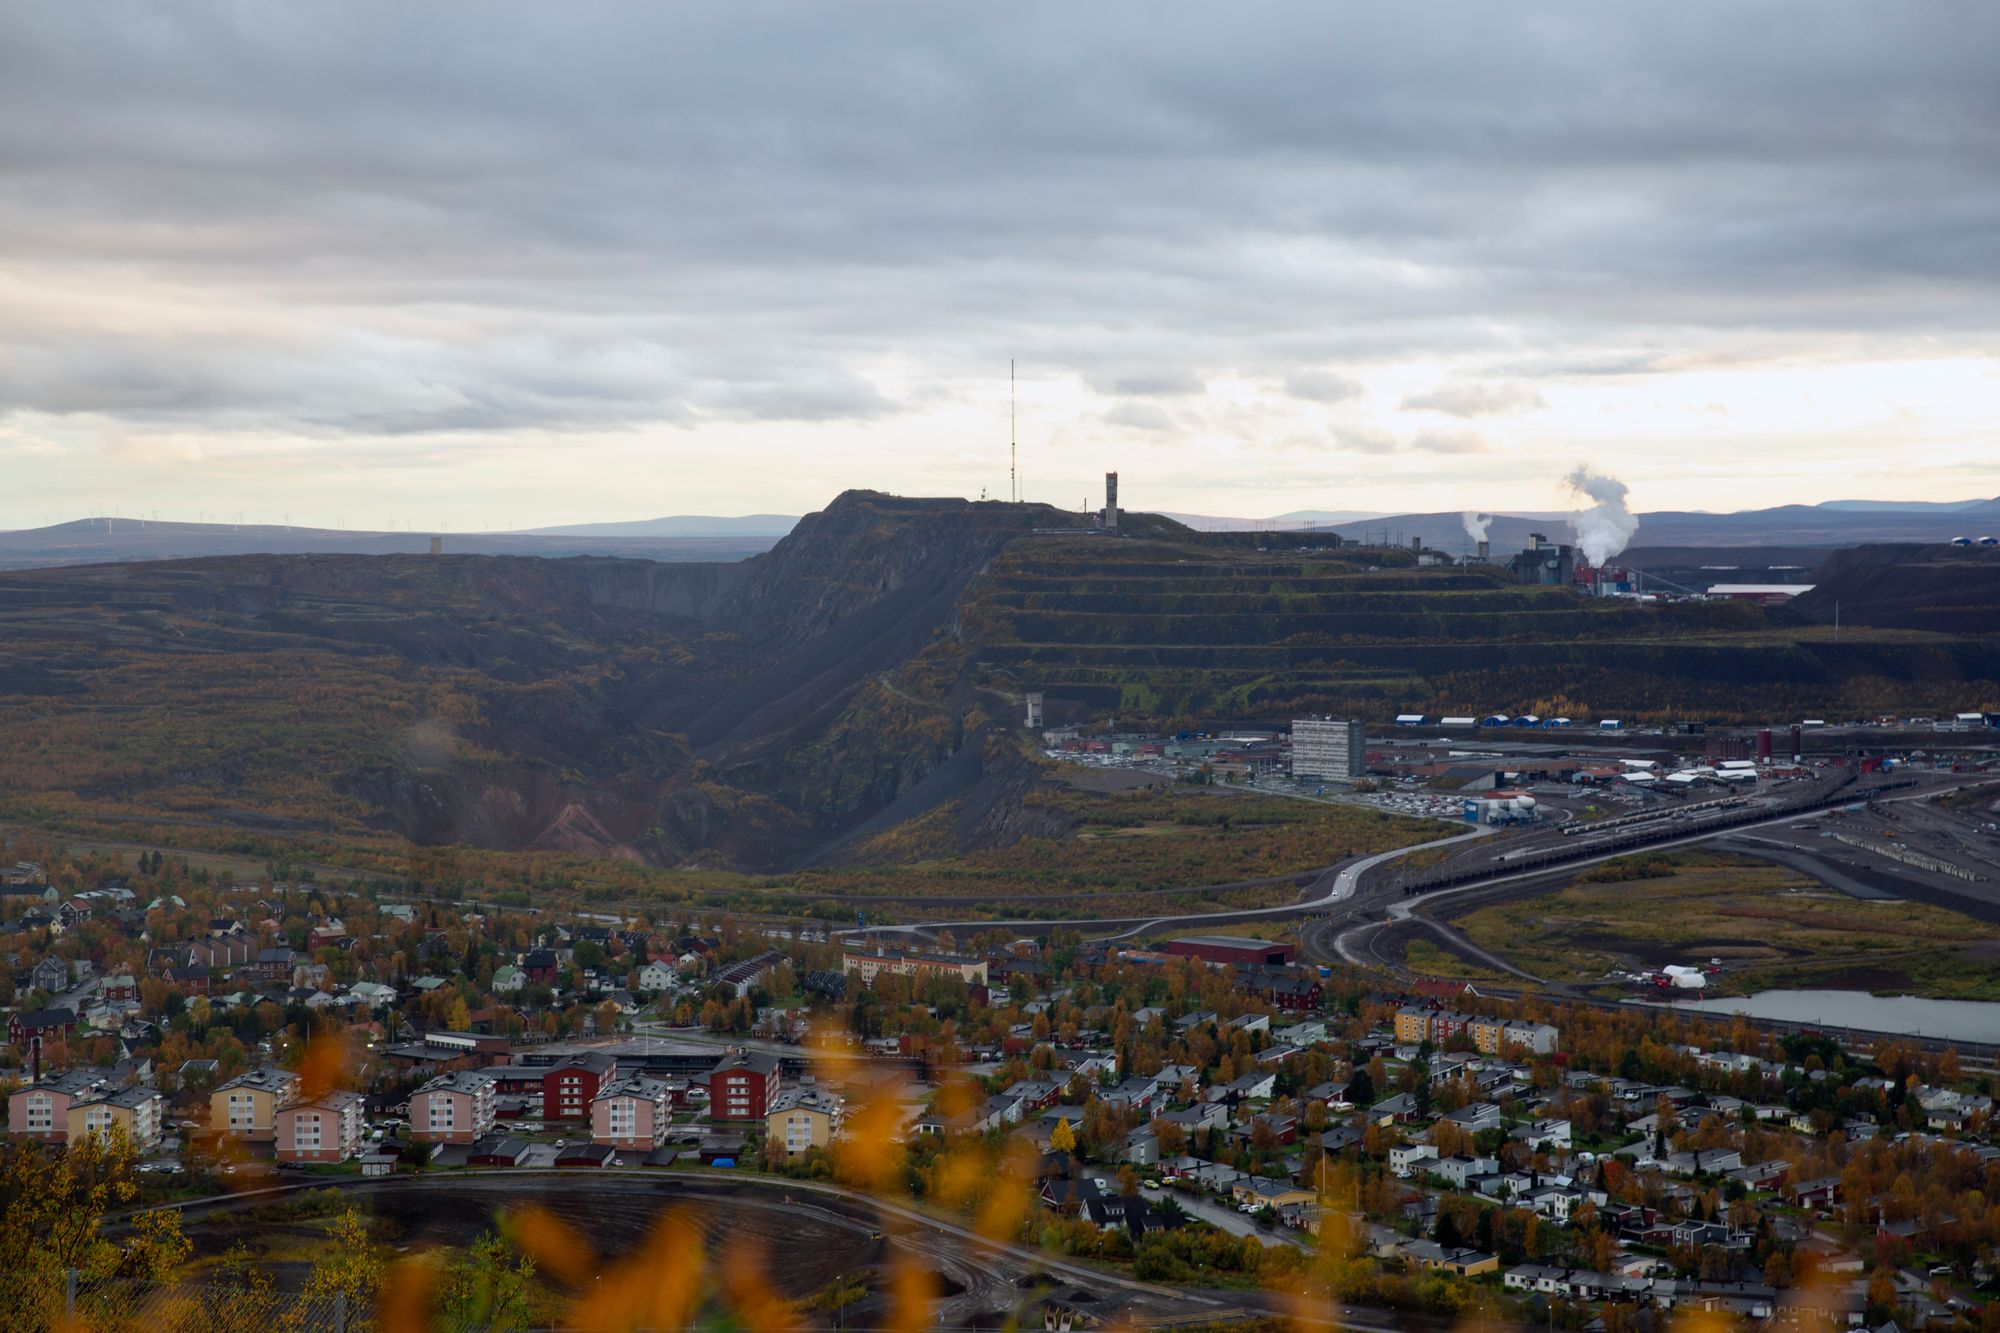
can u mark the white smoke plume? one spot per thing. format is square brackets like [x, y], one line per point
[1606, 528]
[1476, 524]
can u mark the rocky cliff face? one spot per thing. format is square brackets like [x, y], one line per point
[693, 590]
[678, 713]
[865, 549]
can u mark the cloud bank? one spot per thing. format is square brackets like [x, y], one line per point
[405, 239]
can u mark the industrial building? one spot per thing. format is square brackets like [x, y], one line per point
[1545, 562]
[1324, 747]
[1230, 949]
[1501, 807]
[1764, 594]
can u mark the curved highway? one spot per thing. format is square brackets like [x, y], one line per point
[1352, 945]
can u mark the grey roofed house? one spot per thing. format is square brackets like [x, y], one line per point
[959, 1121]
[1039, 1091]
[1136, 1092]
[1215, 1176]
[1475, 1116]
[1339, 1138]
[1402, 1106]
[1199, 1117]
[1248, 1087]
[1002, 1108]
[1132, 1212]
[40, 893]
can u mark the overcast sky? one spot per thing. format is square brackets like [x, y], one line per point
[488, 264]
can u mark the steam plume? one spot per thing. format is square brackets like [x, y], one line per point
[1607, 526]
[1476, 524]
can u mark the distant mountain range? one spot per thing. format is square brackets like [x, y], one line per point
[1831, 525]
[1297, 518]
[678, 525]
[1834, 525]
[92, 541]
[1914, 506]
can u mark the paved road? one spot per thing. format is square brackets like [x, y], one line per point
[1818, 862]
[1352, 944]
[1226, 1218]
[77, 998]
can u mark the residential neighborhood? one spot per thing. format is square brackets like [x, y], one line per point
[1472, 1148]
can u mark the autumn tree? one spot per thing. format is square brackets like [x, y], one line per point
[350, 1264]
[485, 1287]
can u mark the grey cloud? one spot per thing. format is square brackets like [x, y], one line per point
[1322, 386]
[1365, 439]
[1141, 416]
[1472, 399]
[1159, 383]
[809, 398]
[1448, 441]
[741, 214]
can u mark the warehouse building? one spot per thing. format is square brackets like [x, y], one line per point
[1230, 949]
[1323, 747]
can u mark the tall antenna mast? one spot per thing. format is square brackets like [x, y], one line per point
[1013, 473]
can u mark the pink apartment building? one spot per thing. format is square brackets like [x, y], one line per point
[327, 1129]
[453, 1108]
[631, 1113]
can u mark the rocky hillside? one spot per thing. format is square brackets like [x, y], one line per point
[1944, 589]
[864, 673]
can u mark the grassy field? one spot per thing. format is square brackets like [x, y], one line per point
[1130, 854]
[1768, 925]
[1140, 841]
[1426, 958]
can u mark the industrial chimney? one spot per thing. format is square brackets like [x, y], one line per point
[1485, 552]
[1111, 501]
